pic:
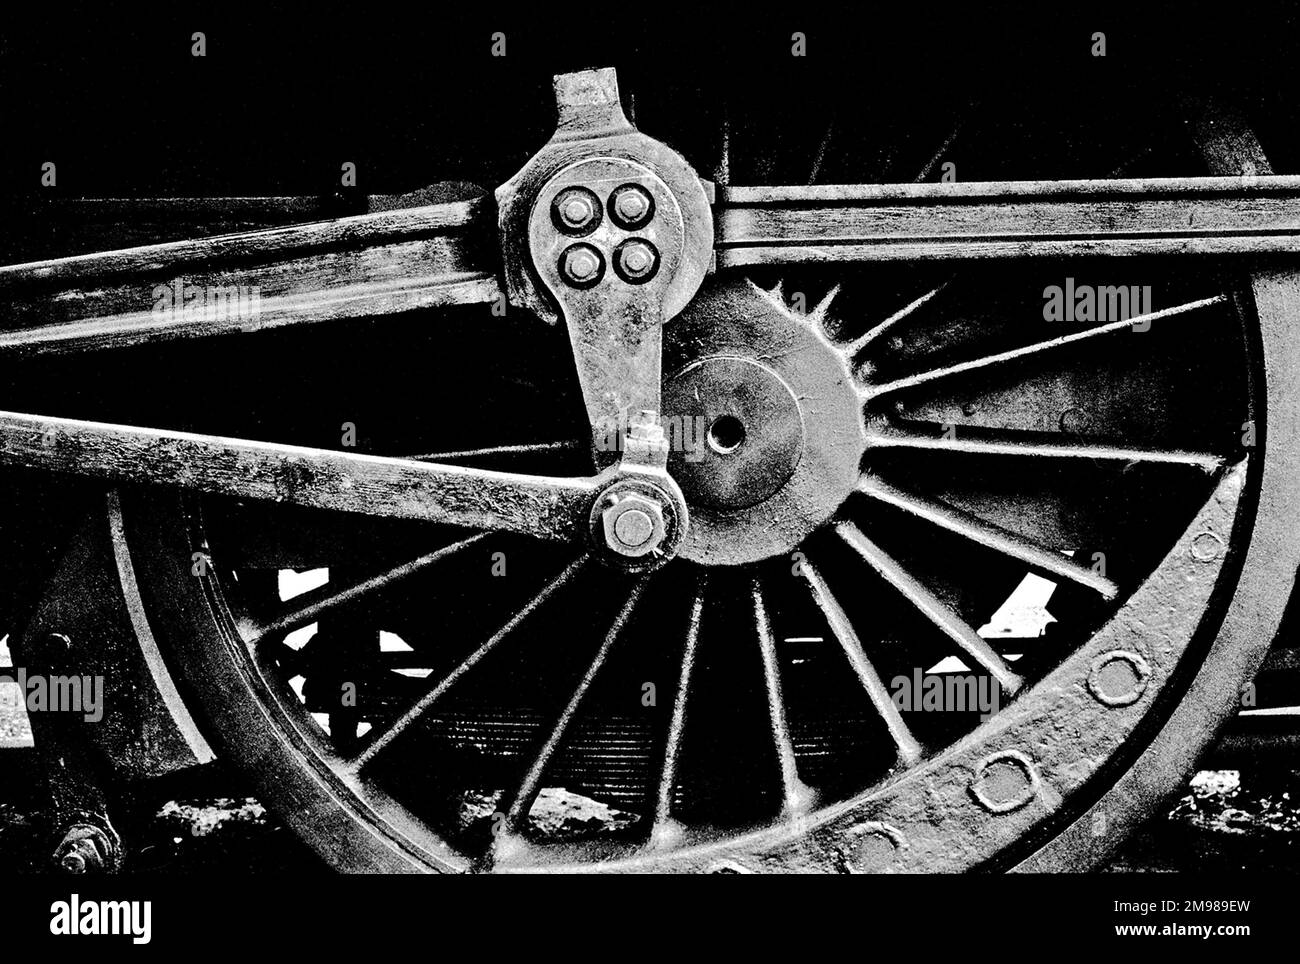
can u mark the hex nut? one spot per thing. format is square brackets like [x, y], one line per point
[636, 261]
[576, 211]
[634, 526]
[631, 206]
[581, 265]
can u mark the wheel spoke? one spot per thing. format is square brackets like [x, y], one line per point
[933, 608]
[310, 606]
[664, 830]
[909, 750]
[1039, 348]
[885, 326]
[822, 148]
[520, 801]
[943, 148]
[427, 701]
[893, 438]
[822, 309]
[1036, 556]
[796, 796]
[289, 474]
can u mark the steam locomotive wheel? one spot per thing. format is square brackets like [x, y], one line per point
[897, 792]
[874, 484]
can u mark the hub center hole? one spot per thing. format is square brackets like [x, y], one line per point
[726, 434]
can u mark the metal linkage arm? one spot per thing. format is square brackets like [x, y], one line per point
[550, 508]
[364, 265]
[856, 222]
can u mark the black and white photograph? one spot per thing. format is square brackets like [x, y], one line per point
[651, 440]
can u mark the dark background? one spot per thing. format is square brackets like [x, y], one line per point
[411, 93]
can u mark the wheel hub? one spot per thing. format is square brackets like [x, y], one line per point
[771, 425]
[747, 431]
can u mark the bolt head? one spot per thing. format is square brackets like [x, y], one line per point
[73, 863]
[634, 526]
[581, 265]
[631, 206]
[636, 261]
[84, 850]
[644, 427]
[576, 211]
[1075, 421]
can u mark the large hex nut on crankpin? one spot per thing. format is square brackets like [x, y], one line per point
[637, 524]
[634, 526]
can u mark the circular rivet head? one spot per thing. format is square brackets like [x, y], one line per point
[631, 206]
[727, 867]
[873, 848]
[56, 644]
[581, 265]
[1005, 781]
[636, 261]
[1119, 677]
[576, 211]
[1075, 421]
[1206, 546]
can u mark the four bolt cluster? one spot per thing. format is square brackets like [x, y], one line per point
[577, 212]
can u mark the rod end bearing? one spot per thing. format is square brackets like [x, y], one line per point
[638, 524]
